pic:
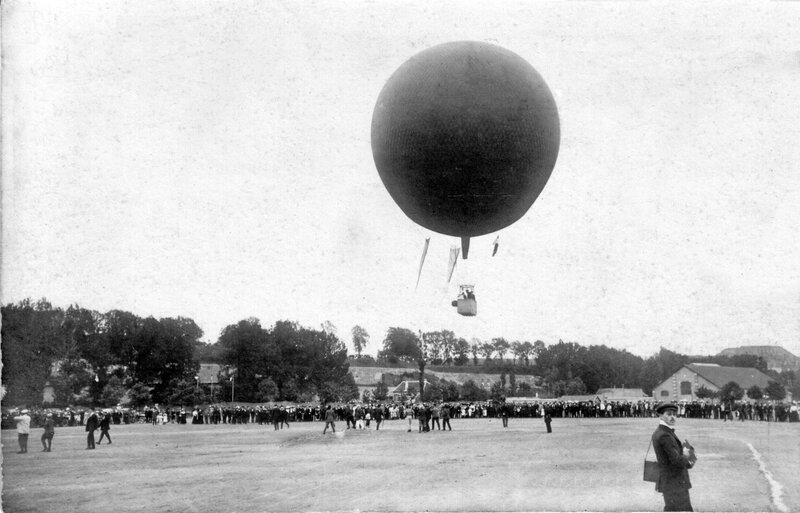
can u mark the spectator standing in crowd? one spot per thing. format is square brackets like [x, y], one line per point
[330, 416]
[410, 417]
[359, 413]
[378, 416]
[445, 414]
[435, 412]
[49, 432]
[547, 420]
[91, 425]
[105, 425]
[23, 421]
[276, 417]
[674, 461]
[423, 419]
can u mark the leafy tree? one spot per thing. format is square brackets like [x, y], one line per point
[245, 347]
[400, 343]
[705, 393]
[433, 392]
[181, 392]
[572, 386]
[32, 340]
[72, 378]
[121, 329]
[461, 351]
[360, 339]
[525, 352]
[475, 349]
[138, 395]
[789, 379]
[290, 391]
[497, 391]
[524, 389]
[448, 344]
[561, 361]
[450, 391]
[512, 383]
[731, 391]
[516, 351]
[775, 391]
[329, 328]
[470, 391]
[113, 392]
[501, 346]
[304, 362]
[538, 348]
[339, 391]
[487, 349]
[267, 390]
[755, 392]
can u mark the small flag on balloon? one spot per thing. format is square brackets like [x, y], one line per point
[495, 245]
[422, 260]
[451, 265]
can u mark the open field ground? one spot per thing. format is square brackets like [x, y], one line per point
[585, 464]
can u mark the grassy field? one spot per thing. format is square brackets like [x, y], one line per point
[584, 465]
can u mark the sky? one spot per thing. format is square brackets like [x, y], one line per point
[212, 160]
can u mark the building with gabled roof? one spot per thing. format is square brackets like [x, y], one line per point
[408, 388]
[621, 394]
[683, 384]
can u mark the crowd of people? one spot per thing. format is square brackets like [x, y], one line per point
[284, 413]
[361, 415]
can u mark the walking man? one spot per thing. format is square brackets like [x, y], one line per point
[105, 425]
[674, 461]
[547, 420]
[23, 421]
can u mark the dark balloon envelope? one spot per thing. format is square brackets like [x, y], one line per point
[464, 137]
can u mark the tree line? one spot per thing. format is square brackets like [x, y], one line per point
[107, 358]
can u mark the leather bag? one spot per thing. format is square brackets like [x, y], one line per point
[651, 471]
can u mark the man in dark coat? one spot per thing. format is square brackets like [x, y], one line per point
[674, 461]
[105, 425]
[330, 417]
[91, 425]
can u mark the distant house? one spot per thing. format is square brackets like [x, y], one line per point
[683, 385]
[211, 373]
[582, 398]
[409, 389]
[621, 394]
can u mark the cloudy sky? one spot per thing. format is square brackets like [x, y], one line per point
[212, 160]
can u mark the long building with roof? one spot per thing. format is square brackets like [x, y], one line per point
[683, 384]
